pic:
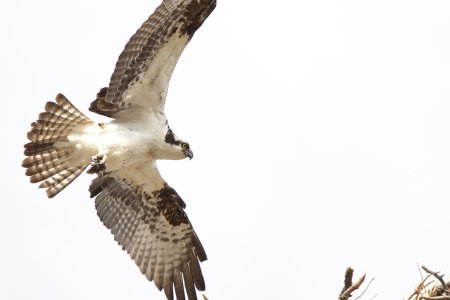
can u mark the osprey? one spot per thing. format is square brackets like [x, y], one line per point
[145, 215]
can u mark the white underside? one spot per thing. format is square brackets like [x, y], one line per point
[124, 144]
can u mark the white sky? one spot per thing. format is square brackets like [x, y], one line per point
[321, 139]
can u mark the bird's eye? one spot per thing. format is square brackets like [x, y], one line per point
[184, 146]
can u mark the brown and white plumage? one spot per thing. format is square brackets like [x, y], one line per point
[49, 150]
[150, 57]
[150, 224]
[145, 215]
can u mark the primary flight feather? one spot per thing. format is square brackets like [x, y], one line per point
[145, 215]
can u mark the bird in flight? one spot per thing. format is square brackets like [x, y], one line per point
[145, 215]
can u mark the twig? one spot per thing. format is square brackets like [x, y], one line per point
[439, 277]
[435, 298]
[420, 287]
[349, 287]
[420, 271]
[347, 279]
[367, 287]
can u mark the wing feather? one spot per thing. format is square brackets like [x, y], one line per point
[151, 264]
[142, 73]
[147, 219]
[189, 283]
[178, 284]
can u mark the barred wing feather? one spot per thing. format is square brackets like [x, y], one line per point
[141, 77]
[147, 219]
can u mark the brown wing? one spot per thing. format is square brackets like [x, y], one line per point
[144, 68]
[147, 219]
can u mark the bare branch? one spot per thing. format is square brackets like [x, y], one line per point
[348, 279]
[420, 287]
[367, 287]
[439, 277]
[435, 298]
[420, 271]
[349, 287]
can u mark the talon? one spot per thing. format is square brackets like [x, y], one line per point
[98, 164]
[99, 159]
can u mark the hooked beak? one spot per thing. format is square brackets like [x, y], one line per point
[189, 153]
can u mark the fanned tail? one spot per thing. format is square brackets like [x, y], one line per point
[49, 150]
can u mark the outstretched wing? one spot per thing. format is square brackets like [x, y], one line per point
[147, 219]
[140, 80]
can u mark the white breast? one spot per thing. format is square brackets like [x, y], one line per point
[124, 143]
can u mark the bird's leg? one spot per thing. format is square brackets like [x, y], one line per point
[98, 162]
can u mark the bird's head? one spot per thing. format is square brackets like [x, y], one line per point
[178, 149]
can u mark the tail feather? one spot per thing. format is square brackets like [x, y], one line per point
[46, 125]
[59, 178]
[35, 148]
[56, 109]
[58, 182]
[48, 152]
[68, 106]
[39, 124]
[45, 174]
[37, 134]
[39, 168]
[45, 155]
[50, 117]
